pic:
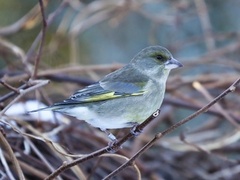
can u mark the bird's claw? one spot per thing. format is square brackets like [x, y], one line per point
[136, 131]
[112, 146]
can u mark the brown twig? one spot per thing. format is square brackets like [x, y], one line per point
[35, 85]
[5, 145]
[9, 86]
[187, 105]
[21, 23]
[197, 85]
[203, 14]
[50, 19]
[173, 127]
[111, 148]
[183, 139]
[72, 69]
[34, 74]
[12, 93]
[28, 167]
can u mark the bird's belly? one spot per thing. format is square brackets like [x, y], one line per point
[125, 114]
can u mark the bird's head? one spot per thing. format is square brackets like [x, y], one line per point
[155, 58]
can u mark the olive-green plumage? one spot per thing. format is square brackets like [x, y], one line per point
[124, 97]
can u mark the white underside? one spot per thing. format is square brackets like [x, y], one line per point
[83, 113]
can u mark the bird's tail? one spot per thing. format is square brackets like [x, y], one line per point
[49, 108]
[41, 109]
[54, 107]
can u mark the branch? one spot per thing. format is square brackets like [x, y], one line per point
[13, 93]
[35, 85]
[5, 145]
[9, 86]
[173, 127]
[34, 75]
[50, 19]
[111, 148]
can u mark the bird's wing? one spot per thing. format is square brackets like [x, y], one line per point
[95, 93]
[115, 85]
[126, 80]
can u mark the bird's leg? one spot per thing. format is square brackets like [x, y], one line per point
[110, 135]
[138, 128]
[136, 131]
[111, 144]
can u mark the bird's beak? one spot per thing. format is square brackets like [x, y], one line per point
[173, 63]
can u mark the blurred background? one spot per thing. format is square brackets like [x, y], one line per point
[88, 39]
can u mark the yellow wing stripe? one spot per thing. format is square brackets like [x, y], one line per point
[110, 95]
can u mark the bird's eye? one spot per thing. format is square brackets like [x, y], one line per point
[159, 57]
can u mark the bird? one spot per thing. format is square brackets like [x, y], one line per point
[125, 97]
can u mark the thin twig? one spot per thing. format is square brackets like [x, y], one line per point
[72, 69]
[197, 85]
[34, 75]
[12, 93]
[173, 127]
[5, 145]
[183, 139]
[41, 156]
[37, 84]
[21, 23]
[203, 14]
[50, 19]
[28, 167]
[9, 86]
[111, 148]
[5, 165]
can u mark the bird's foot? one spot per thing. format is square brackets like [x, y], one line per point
[112, 146]
[136, 131]
[110, 135]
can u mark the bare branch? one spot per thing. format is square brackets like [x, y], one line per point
[39, 54]
[173, 127]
